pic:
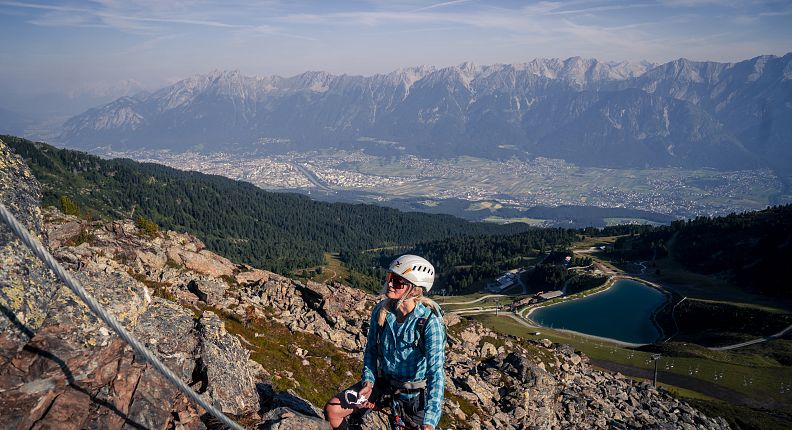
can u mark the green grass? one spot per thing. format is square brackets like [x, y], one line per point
[503, 301]
[766, 378]
[317, 382]
[501, 220]
[332, 269]
[774, 353]
[744, 418]
[683, 392]
[621, 221]
[676, 391]
[460, 298]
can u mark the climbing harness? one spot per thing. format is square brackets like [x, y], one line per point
[396, 417]
[38, 249]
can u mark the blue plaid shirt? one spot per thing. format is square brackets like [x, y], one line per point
[404, 362]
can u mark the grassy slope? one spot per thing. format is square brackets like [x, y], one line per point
[766, 376]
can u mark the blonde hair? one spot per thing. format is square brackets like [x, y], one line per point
[414, 293]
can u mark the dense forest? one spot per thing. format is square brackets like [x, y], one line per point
[465, 262]
[283, 232]
[275, 231]
[749, 249]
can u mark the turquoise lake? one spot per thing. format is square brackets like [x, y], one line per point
[623, 312]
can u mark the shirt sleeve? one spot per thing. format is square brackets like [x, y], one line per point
[371, 352]
[435, 364]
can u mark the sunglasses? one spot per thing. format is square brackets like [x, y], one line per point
[397, 282]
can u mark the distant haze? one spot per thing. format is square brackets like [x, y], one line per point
[86, 49]
[681, 113]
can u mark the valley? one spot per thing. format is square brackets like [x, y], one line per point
[488, 190]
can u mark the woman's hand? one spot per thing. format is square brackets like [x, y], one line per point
[427, 427]
[366, 392]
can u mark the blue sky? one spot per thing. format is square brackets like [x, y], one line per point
[78, 45]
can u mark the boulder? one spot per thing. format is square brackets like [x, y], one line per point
[210, 291]
[470, 336]
[451, 319]
[283, 418]
[168, 330]
[252, 277]
[151, 260]
[293, 401]
[488, 350]
[230, 377]
[61, 234]
[205, 263]
[173, 254]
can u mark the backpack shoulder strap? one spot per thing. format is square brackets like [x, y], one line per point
[420, 327]
[420, 334]
[377, 310]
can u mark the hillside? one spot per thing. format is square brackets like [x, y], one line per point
[467, 263]
[263, 348]
[748, 249]
[276, 231]
[682, 113]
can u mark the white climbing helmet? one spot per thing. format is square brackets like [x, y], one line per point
[414, 269]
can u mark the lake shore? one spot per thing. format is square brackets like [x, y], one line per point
[609, 284]
[602, 338]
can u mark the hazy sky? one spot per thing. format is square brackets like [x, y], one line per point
[70, 45]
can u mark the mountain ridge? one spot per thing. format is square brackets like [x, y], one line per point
[684, 113]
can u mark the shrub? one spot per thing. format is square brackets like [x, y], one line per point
[147, 226]
[83, 237]
[69, 207]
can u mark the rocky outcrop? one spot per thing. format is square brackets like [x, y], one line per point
[74, 373]
[516, 390]
[26, 288]
[207, 263]
[229, 374]
[210, 291]
[282, 418]
[60, 367]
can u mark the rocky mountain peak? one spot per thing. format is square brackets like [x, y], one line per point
[315, 81]
[534, 108]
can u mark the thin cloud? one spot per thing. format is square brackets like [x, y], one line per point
[438, 5]
[588, 10]
[115, 19]
[270, 30]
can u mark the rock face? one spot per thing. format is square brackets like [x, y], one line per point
[25, 287]
[60, 367]
[230, 376]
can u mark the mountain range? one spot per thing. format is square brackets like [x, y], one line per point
[681, 113]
